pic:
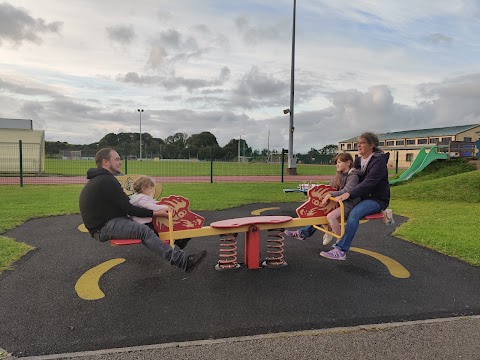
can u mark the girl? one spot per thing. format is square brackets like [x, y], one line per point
[345, 179]
[143, 186]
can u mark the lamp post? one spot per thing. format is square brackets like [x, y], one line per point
[140, 112]
[292, 167]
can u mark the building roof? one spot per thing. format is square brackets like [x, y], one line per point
[410, 134]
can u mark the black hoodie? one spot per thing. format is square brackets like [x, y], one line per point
[103, 199]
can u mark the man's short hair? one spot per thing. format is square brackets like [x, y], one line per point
[102, 154]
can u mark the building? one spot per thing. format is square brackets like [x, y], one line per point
[12, 133]
[405, 145]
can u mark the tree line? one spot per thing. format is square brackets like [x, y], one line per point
[202, 146]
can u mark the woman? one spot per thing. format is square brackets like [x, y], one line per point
[373, 190]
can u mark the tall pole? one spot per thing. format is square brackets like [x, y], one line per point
[140, 112]
[292, 167]
[239, 142]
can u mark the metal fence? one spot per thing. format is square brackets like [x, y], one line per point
[22, 164]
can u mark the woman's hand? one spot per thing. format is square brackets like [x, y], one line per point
[342, 197]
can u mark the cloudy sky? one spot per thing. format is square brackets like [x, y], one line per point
[81, 68]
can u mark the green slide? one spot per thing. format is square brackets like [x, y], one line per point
[421, 161]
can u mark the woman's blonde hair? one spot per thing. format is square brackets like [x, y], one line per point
[141, 182]
[344, 157]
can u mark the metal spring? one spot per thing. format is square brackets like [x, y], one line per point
[228, 252]
[275, 246]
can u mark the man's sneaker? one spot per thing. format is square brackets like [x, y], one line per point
[182, 243]
[334, 254]
[194, 259]
[327, 238]
[296, 234]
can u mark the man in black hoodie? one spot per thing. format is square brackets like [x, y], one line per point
[105, 209]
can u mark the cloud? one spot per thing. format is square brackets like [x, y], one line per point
[255, 34]
[175, 82]
[122, 34]
[440, 39]
[25, 89]
[257, 88]
[17, 26]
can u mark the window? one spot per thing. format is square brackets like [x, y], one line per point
[421, 141]
[433, 141]
[446, 139]
[411, 142]
[468, 139]
[400, 142]
[390, 143]
[381, 143]
[409, 157]
[349, 146]
[342, 146]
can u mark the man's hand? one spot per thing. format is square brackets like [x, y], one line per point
[161, 213]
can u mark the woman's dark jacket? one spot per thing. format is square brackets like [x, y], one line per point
[373, 183]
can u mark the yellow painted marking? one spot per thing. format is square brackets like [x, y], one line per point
[394, 267]
[259, 211]
[87, 287]
[82, 228]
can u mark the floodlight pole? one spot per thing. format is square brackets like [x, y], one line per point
[140, 112]
[292, 167]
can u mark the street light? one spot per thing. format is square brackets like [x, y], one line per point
[292, 167]
[140, 112]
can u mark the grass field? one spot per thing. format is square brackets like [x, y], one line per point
[188, 168]
[442, 204]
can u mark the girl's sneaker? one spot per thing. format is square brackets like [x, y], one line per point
[296, 234]
[334, 254]
[327, 238]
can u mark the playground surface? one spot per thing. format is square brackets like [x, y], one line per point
[148, 302]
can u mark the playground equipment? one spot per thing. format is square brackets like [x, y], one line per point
[183, 223]
[422, 160]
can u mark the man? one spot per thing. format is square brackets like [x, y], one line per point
[105, 209]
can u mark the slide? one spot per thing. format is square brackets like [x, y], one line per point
[421, 161]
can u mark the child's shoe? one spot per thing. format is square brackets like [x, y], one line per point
[327, 238]
[296, 234]
[334, 254]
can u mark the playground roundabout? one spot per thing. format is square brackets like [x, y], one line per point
[75, 294]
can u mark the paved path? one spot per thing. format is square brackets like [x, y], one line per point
[148, 302]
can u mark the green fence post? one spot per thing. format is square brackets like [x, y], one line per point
[126, 162]
[211, 164]
[21, 163]
[396, 164]
[283, 162]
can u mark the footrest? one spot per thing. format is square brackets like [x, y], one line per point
[121, 242]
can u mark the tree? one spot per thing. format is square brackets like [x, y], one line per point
[178, 139]
[329, 150]
[203, 139]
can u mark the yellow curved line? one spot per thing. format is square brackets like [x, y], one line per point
[82, 228]
[87, 287]
[259, 211]
[394, 267]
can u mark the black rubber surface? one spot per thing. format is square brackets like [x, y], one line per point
[147, 301]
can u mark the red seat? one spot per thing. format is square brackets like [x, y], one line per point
[119, 242]
[374, 216]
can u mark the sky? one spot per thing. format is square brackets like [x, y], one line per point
[81, 69]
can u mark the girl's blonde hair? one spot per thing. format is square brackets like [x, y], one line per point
[344, 157]
[141, 182]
